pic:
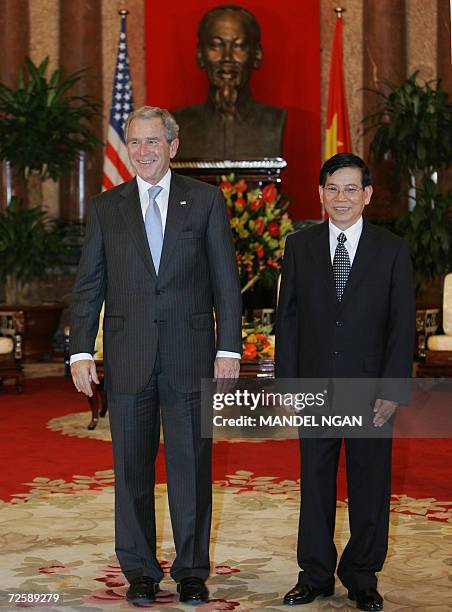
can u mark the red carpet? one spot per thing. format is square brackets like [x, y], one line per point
[421, 467]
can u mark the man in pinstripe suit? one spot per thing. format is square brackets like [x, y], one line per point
[159, 251]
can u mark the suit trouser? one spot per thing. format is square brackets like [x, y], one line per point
[135, 428]
[368, 464]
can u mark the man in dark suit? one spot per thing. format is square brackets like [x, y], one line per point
[346, 311]
[159, 252]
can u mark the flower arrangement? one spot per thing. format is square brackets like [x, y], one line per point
[257, 341]
[259, 223]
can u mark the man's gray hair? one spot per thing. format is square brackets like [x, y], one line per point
[152, 112]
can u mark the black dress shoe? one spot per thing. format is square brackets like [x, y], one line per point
[305, 593]
[367, 599]
[192, 590]
[142, 590]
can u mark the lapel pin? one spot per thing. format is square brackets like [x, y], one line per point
[183, 203]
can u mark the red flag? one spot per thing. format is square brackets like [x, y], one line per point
[337, 127]
[117, 167]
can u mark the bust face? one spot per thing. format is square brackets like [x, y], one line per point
[227, 51]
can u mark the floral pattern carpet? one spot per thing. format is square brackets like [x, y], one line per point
[58, 538]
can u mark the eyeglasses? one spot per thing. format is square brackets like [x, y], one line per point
[349, 191]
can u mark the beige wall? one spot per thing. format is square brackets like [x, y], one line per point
[44, 41]
[421, 20]
[421, 24]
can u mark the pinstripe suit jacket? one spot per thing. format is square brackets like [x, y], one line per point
[172, 311]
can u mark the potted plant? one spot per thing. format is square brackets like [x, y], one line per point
[31, 244]
[43, 127]
[411, 125]
[428, 230]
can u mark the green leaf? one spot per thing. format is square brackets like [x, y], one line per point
[413, 123]
[42, 126]
[31, 242]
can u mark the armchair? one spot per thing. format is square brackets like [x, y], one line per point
[438, 359]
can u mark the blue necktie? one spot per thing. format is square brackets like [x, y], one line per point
[154, 227]
[341, 266]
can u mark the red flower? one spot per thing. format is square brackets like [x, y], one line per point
[249, 351]
[259, 227]
[240, 204]
[226, 186]
[241, 186]
[273, 263]
[260, 251]
[256, 204]
[269, 193]
[229, 212]
[274, 229]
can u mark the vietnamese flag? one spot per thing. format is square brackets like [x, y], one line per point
[337, 128]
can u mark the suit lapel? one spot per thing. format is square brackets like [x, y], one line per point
[320, 249]
[130, 209]
[364, 256]
[178, 208]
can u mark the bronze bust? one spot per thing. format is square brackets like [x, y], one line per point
[230, 124]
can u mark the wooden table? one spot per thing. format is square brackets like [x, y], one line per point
[11, 368]
[437, 364]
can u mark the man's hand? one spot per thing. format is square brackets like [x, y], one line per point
[384, 409]
[83, 374]
[226, 368]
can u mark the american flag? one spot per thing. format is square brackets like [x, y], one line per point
[117, 168]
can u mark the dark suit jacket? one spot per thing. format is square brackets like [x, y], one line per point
[172, 311]
[369, 334]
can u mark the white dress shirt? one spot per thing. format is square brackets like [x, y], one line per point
[162, 203]
[352, 233]
[161, 199]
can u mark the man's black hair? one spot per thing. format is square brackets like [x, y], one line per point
[345, 160]
[253, 25]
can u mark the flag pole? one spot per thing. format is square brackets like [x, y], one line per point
[117, 168]
[336, 126]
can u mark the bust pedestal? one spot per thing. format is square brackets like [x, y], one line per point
[259, 171]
